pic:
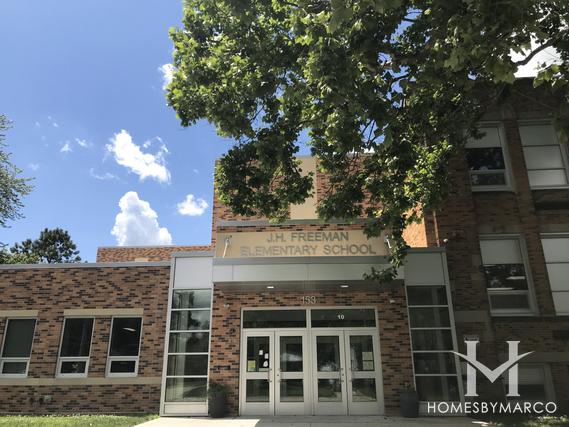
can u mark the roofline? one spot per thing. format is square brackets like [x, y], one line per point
[149, 246]
[85, 265]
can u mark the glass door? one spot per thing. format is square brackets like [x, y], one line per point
[291, 373]
[257, 396]
[364, 381]
[329, 376]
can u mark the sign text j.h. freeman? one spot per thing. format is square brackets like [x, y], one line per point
[300, 243]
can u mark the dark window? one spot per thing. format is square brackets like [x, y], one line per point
[76, 338]
[125, 336]
[274, 319]
[19, 337]
[486, 158]
[427, 295]
[509, 276]
[191, 299]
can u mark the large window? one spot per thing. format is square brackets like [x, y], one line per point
[534, 383]
[75, 347]
[124, 347]
[487, 161]
[506, 272]
[17, 347]
[432, 343]
[556, 251]
[546, 159]
[188, 346]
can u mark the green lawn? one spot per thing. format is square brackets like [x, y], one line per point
[74, 421]
[528, 422]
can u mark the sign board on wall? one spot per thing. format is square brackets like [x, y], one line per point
[298, 243]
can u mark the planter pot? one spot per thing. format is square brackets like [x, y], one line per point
[218, 405]
[409, 404]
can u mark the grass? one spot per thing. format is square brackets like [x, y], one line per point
[513, 421]
[74, 420]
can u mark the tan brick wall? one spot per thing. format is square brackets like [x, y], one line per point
[148, 253]
[53, 290]
[393, 333]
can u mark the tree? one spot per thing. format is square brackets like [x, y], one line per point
[17, 258]
[52, 246]
[12, 187]
[386, 90]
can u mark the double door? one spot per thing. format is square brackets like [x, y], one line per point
[306, 372]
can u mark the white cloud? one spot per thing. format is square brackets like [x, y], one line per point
[38, 124]
[196, 171]
[101, 177]
[547, 56]
[55, 125]
[145, 165]
[82, 142]
[66, 148]
[167, 71]
[34, 166]
[192, 206]
[137, 223]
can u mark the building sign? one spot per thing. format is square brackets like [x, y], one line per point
[298, 243]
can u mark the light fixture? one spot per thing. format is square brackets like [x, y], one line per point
[270, 287]
[344, 286]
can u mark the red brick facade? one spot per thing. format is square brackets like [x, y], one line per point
[143, 253]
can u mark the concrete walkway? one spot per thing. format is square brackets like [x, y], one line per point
[315, 421]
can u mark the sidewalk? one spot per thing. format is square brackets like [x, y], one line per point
[311, 421]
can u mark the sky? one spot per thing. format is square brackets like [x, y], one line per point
[82, 82]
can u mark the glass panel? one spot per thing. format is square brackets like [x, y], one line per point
[329, 390]
[506, 276]
[437, 388]
[537, 134]
[14, 368]
[292, 390]
[73, 367]
[257, 391]
[363, 390]
[500, 251]
[187, 365]
[186, 389]
[76, 338]
[125, 337]
[556, 249]
[123, 366]
[19, 337]
[190, 320]
[429, 317]
[498, 178]
[490, 138]
[189, 342]
[192, 299]
[343, 318]
[328, 353]
[547, 177]
[486, 158]
[361, 353]
[426, 295]
[432, 340]
[434, 363]
[548, 157]
[274, 319]
[291, 354]
[509, 301]
[532, 392]
[258, 354]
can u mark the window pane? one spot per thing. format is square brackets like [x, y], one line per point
[498, 178]
[123, 366]
[187, 365]
[14, 368]
[191, 299]
[125, 337]
[343, 318]
[19, 338]
[361, 351]
[556, 249]
[509, 301]
[292, 390]
[437, 388]
[258, 354]
[76, 338]
[537, 134]
[500, 251]
[189, 342]
[363, 390]
[547, 177]
[73, 367]
[186, 389]
[190, 320]
[274, 319]
[291, 354]
[329, 390]
[432, 340]
[490, 138]
[488, 158]
[506, 276]
[257, 391]
[548, 157]
[328, 353]
[426, 295]
[434, 363]
[429, 317]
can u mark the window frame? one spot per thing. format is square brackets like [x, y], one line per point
[562, 148]
[532, 310]
[16, 359]
[85, 359]
[543, 236]
[111, 359]
[509, 185]
[548, 385]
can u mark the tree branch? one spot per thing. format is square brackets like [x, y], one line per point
[536, 51]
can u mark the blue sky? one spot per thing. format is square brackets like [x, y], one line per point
[74, 75]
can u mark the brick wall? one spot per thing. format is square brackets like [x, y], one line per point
[147, 253]
[53, 290]
[394, 339]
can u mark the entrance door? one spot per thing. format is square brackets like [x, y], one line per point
[346, 373]
[292, 396]
[257, 361]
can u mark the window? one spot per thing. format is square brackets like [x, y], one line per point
[124, 347]
[534, 383]
[75, 347]
[17, 347]
[556, 251]
[274, 319]
[505, 269]
[546, 159]
[188, 346]
[487, 161]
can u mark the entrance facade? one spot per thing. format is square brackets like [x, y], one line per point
[310, 362]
